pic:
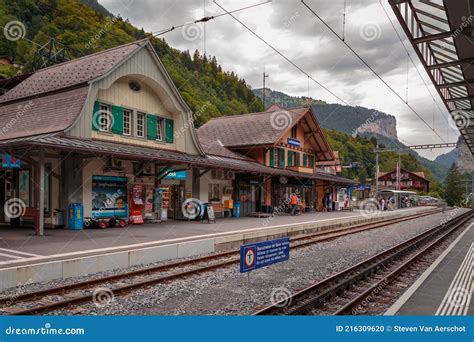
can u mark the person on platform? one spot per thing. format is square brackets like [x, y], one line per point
[294, 203]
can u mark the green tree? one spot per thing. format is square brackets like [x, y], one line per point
[453, 186]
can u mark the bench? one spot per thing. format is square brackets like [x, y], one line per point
[30, 214]
[218, 209]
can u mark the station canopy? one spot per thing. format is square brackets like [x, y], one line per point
[442, 34]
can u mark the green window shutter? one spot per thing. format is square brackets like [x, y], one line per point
[117, 124]
[282, 158]
[305, 160]
[169, 124]
[297, 159]
[95, 116]
[271, 157]
[151, 126]
[290, 158]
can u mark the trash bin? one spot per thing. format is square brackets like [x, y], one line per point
[236, 210]
[76, 216]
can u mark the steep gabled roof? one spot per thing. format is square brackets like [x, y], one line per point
[216, 148]
[41, 115]
[72, 73]
[262, 128]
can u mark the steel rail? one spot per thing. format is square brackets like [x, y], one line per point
[297, 242]
[318, 294]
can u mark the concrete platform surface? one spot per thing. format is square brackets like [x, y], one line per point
[447, 286]
[14, 242]
[63, 254]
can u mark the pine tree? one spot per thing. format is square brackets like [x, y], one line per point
[453, 186]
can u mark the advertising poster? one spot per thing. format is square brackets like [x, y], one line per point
[109, 196]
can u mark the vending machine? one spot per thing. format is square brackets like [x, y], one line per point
[137, 204]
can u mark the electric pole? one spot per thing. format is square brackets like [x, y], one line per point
[265, 75]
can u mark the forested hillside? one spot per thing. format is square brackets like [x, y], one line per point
[86, 27]
[85, 30]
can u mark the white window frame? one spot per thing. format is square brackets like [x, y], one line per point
[105, 117]
[160, 129]
[143, 115]
[130, 121]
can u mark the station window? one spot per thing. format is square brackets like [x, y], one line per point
[214, 192]
[140, 128]
[127, 122]
[159, 129]
[105, 118]
[294, 131]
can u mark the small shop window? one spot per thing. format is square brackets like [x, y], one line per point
[214, 192]
[140, 127]
[104, 118]
[159, 129]
[127, 122]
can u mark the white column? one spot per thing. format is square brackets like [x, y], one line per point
[41, 193]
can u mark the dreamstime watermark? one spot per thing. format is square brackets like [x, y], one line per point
[281, 297]
[455, 212]
[47, 329]
[108, 203]
[460, 119]
[281, 208]
[370, 208]
[103, 120]
[190, 122]
[102, 296]
[21, 110]
[109, 22]
[192, 208]
[365, 124]
[14, 208]
[14, 30]
[20, 289]
[370, 31]
[289, 20]
[458, 296]
[192, 32]
[281, 120]
[359, 309]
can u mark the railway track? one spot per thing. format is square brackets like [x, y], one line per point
[73, 295]
[350, 291]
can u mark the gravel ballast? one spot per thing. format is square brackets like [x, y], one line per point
[228, 292]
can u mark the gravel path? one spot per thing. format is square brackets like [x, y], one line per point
[227, 292]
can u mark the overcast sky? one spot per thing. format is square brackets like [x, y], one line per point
[291, 28]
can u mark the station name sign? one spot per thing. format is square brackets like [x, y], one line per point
[265, 253]
[294, 142]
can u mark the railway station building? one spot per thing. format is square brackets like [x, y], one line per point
[109, 132]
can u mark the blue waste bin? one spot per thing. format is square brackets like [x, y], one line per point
[236, 210]
[76, 216]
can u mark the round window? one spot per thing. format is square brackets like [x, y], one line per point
[135, 86]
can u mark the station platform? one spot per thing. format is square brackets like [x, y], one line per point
[447, 286]
[63, 253]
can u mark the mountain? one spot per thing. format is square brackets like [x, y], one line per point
[354, 121]
[348, 119]
[85, 27]
[461, 155]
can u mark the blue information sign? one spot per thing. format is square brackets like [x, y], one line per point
[294, 142]
[265, 253]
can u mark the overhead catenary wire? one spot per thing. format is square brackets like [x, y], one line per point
[206, 19]
[282, 55]
[372, 70]
[412, 61]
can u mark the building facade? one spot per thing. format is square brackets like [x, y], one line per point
[111, 133]
[414, 181]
